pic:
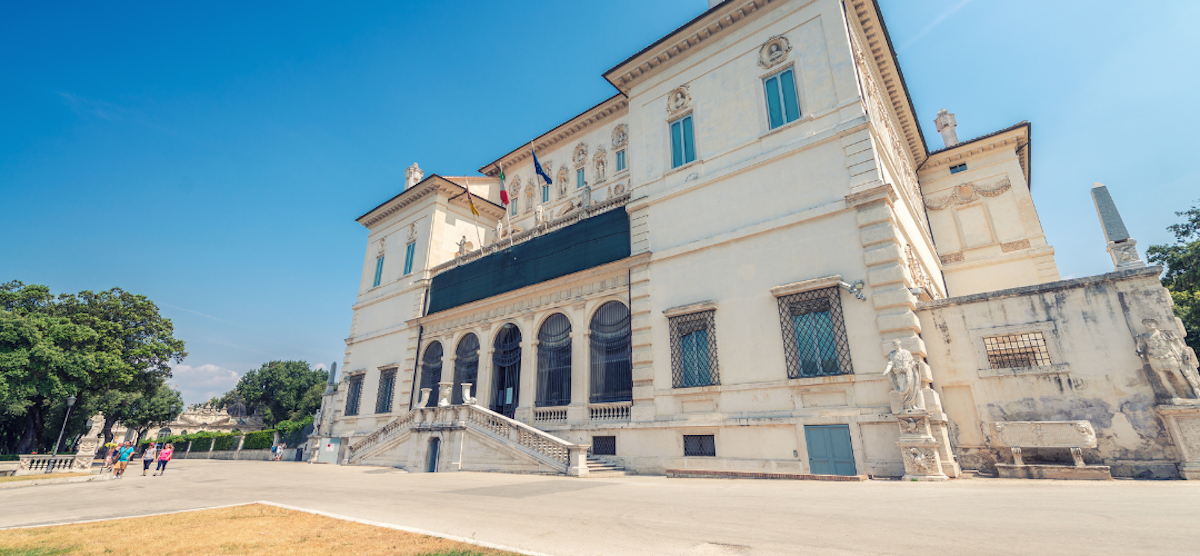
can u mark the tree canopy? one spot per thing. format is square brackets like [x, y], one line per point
[279, 391]
[90, 345]
[1182, 276]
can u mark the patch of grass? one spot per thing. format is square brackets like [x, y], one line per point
[253, 529]
[40, 476]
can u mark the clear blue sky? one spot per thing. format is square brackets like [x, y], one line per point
[214, 156]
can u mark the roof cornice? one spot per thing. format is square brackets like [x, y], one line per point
[715, 22]
[431, 185]
[879, 43]
[1016, 137]
[614, 106]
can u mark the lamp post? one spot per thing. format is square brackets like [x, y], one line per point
[54, 456]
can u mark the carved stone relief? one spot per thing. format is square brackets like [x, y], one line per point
[412, 231]
[564, 176]
[601, 162]
[678, 100]
[955, 257]
[620, 136]
[382, 247]
[581, 155]
[1014, 246]
[967, 193]
[774, 51]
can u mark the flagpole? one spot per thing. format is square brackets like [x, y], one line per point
[504, 188]
[471, 205]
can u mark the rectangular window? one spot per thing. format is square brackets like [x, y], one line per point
[387, 384]
[620, 160]
[703, 445]
[378, 271]
[694, 350]
[958, 168]
[353, 395]
[579, 178]
[512, 207]
[545, 193]
[604, 445]
[409, 252]
[683, 145]
[814, 335]
[1027, 349]
[782, 105]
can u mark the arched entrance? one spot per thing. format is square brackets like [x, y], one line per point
[506, 366]
[435, 446]
[466, 367]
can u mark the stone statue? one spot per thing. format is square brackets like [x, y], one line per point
[413, 175]
[1171, 361]
[587, 195]
[539, 216]
[600, 164]
[680, 100]
[499, 230]
[776, 53]
[905, 376]
[462, 246]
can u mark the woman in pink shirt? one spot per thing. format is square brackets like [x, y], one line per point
[164, 456]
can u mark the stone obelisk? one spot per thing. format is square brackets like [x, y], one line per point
[1121, 247]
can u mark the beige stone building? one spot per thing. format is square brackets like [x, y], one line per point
[749, 260]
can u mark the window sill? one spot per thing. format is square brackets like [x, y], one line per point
[819, 380]
[786, 126]
[1060, 368]
[682, 168]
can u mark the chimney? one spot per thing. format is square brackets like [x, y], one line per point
[413, 175]
[945, 125]
[1121, 247]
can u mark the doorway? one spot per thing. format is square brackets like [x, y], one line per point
[829, 450]
[435, 446]
[506, 364]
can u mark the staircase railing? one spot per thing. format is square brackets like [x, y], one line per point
[564, 456]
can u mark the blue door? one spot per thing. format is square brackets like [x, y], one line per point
[829, 451]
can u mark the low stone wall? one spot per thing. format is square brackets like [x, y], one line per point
[289, 454]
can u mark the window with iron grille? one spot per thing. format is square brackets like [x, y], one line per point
[554, 362]
[1027, 349]
[814, 334]
[353, 394]
[387, 383]
[694, 350]
[604, 445]
[466, 367]
[699, 445]
[431, 372]
[612, 356]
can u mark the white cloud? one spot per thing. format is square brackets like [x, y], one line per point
[199, 384]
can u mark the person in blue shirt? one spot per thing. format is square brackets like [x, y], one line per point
[123, 456]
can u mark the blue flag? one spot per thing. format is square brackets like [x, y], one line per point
[537, 167]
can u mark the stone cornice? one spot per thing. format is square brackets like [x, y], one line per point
[712, 23]
[613, 107]
[433, 184]
[1015, 137]
[879, 44]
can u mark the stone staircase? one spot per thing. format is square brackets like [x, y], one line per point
[599, 468]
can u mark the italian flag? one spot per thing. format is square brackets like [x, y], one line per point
[503, 191]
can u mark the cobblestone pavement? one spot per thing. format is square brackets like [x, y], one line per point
[660, 516]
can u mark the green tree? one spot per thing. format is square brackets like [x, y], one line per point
[87, 344]
[135, 410]
[279, 390]
[1182, 276]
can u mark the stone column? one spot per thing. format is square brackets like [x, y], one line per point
[485, 380]
[528, 389]
[577, 410]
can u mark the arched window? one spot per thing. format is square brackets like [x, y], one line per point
[164, 432]
[554, 362]
[466, 366]
[506, 366]
[431, 372]
[612, 359]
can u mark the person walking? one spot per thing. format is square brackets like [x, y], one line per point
[148, 456]
[279, 451]
[108, 459]
[164, 456]
[123, 455]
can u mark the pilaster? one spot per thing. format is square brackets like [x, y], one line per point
[528, 382]
[643, 408]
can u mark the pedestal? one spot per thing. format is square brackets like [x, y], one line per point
[1183, 423]
[920, 450]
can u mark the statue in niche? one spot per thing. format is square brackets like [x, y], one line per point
[539, 216]
[587, 195]
[679, 100]
[499, 230]
[905, 376]
[1171, 360]
[462, 246]
[600, 164]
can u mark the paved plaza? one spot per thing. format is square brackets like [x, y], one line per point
[660, 516]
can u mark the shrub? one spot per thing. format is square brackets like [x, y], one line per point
[226, 442]
[202, 444]
[258, 440]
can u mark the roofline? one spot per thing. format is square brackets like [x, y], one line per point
[488, 169]
[1026, 162]
[899, 73]
[665, 38]
[417, 186]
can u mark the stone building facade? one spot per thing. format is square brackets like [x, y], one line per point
[728, 255]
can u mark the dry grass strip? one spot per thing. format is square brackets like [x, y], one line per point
[251, 529]
[42, 476]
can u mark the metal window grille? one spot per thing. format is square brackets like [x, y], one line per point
[353, 395]
[612, 355]
[704, 445]
[387, 384]
[694, 350]
[1017, 350]
[604, 445]
[506, 365]
[431, 372]
[466, 367]
[814, 334]
[554, 362]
